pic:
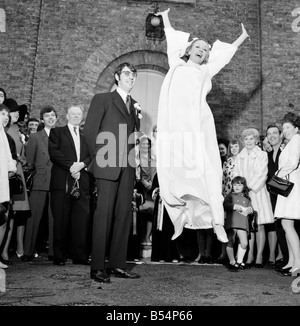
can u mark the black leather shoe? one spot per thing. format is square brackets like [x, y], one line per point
[233, 267]
[279, 262]
[241, 265]
[58, 261]
[284, 270]
[100, 276]
[118, 272]
[279, 267]
[287, 273]
[27, 257]
[6, 261]
[81, 262]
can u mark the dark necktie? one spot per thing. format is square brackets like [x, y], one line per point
[128, 103]
[75, 130]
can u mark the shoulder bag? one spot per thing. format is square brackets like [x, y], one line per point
[16, 184]
[29, 172]
[280, 186]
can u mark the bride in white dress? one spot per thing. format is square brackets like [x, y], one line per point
[188, 159]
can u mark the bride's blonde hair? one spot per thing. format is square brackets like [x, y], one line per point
[190, 45]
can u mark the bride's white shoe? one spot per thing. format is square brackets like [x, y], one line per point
[220, 232]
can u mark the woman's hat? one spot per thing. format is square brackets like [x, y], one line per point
[13, 106]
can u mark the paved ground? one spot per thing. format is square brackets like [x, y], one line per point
[40, 283]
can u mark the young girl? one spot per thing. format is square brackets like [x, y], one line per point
[237, 205]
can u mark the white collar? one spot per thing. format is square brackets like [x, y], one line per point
[122, 93]
[47, 130]
[71, 127]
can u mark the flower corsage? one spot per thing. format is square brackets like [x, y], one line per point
[138, 110]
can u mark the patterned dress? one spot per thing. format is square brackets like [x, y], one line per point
[228, 169]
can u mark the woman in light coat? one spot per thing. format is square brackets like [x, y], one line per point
[288, 208]
[20, 202]
[252, 164]
[7, 165]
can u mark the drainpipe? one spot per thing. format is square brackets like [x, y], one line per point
[36, 52]
[260, 66]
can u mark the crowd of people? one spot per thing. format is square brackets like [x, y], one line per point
[106, 189]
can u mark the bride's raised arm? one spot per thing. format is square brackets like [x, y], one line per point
[165, 17]
[241, 38]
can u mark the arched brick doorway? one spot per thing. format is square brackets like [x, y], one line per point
[152, 67]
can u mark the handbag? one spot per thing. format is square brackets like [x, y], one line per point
[16, 184]
[75, 191]
[280, 186]
[252, 218]
[29, 172]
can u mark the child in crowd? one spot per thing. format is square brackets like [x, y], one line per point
[237, 205]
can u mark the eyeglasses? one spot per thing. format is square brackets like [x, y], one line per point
[128, 73]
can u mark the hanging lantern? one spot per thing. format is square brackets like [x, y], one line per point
[155, 27]
[155, 21]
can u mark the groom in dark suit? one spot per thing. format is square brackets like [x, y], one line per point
[109, 128]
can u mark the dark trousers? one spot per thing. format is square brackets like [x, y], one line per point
[112, 220]
[163, 247]
[37, 200]
[71, 223]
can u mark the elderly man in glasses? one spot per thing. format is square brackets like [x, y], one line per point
[111, 119]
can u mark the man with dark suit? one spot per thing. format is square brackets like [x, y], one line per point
[38, 159]
[112, 118]
[69, 155]
[274, 140]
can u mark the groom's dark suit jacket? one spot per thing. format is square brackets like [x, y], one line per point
[109, 134]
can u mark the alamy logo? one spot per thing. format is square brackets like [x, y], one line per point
[295, 283]
[187, 148]
[296, 22]
[2, 21]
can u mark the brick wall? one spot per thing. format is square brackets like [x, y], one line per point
[61, 51]
[280, 59]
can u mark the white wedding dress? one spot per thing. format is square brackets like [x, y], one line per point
[188, 161]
